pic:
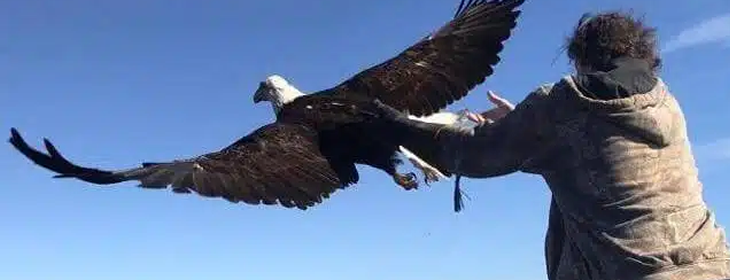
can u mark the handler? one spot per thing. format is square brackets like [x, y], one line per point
[611, 142]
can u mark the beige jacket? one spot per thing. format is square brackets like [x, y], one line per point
[627, 202]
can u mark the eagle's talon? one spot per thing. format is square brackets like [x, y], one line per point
[407, 181]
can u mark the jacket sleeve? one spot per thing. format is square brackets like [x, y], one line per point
[501, 147]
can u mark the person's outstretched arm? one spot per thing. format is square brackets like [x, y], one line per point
[497, 148]
[501, 147]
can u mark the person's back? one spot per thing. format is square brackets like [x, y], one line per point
[628, 200]
[611, 142]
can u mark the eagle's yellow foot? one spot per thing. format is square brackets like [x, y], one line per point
[407, 181]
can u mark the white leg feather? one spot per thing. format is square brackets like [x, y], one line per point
[457, 120]
[430, 173]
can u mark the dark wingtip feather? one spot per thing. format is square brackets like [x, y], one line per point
[55, 162]
[14, 133]
[53, 152]
[19, 143]
[15, 138]
[459, 9]
[463, 8]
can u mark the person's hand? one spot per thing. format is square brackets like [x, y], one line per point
[503, 107]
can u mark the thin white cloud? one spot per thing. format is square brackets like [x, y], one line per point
[713, 30]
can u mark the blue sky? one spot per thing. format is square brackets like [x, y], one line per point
[113, 83]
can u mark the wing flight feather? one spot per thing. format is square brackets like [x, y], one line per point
[278, 163]
[443, 67]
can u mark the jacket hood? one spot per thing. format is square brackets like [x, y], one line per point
[627, 96]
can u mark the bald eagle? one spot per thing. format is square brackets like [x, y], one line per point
[279, 91]
[312, 148]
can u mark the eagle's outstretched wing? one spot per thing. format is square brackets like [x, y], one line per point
[443, 67]
[276, 163]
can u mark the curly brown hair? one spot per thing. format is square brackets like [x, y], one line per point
[598, 39]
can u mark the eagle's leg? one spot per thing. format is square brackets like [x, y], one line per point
[407, 181]
[430, 173]
[387, 160]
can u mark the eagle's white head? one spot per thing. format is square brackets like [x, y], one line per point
[276, 90]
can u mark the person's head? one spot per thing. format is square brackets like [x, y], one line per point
[599, 39]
